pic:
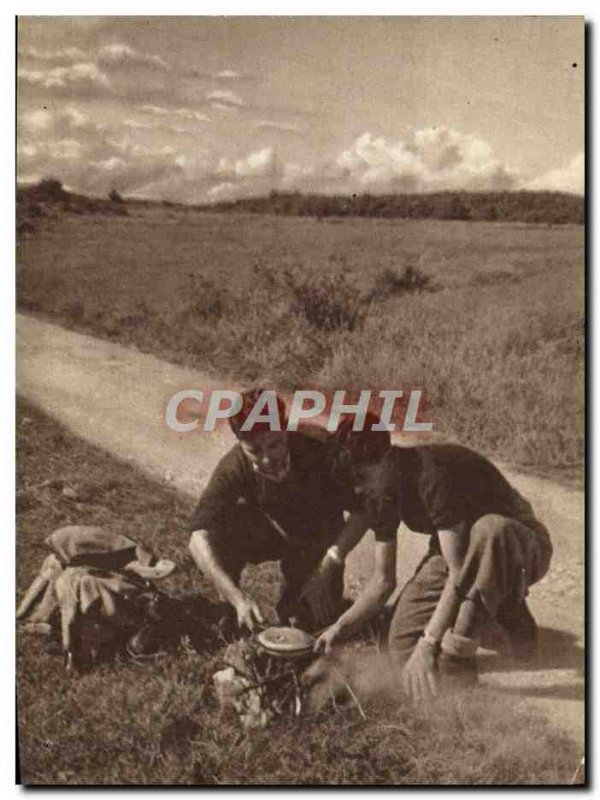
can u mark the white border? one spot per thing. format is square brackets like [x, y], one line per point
[219, 8]
[301, 8]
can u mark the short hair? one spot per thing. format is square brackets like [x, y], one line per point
[364, 447]
[249, 399]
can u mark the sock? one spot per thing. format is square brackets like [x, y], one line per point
[453, 644]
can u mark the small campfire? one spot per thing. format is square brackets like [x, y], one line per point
[269, 676]
[262, 679]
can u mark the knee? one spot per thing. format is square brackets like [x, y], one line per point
[488, 531]
[401, 633]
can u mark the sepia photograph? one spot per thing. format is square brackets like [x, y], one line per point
[300, 413]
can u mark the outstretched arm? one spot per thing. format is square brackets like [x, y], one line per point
[453, 544]
[418, 675]
[247, 610]
[318, 592]
[370, 601]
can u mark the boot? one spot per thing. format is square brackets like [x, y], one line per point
[457, 663]
[521, 628]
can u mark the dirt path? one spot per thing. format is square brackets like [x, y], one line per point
[115, 398]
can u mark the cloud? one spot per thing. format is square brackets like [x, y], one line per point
[201, 177]
[65, 149]
[26, 150]
[118, 55]
[38, 120]
[224, 98]
[66, 54]
[140, 125]
[82, 77]
[430, 159]
[183, 113]
[258, 164]
[88, 156]
[281, 127]
[157, 110]
[224, 76]
[110, 55]
[94, 158]
[115, 70]
[195, 116]
[567, 179]
[96, 167]
[75, 118]
[44, 124]
[223, 191]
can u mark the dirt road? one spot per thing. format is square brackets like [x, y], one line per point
[115, 398]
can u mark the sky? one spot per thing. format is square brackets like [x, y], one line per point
[202, 109]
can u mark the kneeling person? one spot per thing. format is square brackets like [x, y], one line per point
[486, 549]
[273, 497]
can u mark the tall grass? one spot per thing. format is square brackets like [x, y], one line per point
[485, 318]
[501, 372]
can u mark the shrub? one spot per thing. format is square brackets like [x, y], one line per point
[389, 283]
[210, 300]
[115, 197]
[328, 301]
[51, 190]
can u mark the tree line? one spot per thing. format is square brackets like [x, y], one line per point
[521, 206]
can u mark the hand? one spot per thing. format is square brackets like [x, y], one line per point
[318, 592]
[248, 612]
[418, 676]
[327, 639]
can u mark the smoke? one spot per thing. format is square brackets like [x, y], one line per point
[352, 677]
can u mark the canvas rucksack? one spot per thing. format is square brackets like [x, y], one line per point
[96, 594]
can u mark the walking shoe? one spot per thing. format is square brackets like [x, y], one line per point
[521, 628]
[456, 674]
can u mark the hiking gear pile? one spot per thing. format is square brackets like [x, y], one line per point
[95, 594]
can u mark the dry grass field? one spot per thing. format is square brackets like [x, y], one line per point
[487, 318]
[156, 722]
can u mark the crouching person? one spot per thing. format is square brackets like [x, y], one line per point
[486, 550]
[273, 497]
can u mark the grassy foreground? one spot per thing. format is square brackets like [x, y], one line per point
[157, 723]
[486, 318]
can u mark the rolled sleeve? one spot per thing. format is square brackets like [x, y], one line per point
[225, 490]
[443, 505]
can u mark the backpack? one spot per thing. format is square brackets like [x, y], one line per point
[95, 594]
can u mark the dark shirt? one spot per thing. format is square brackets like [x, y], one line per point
[435, 487]
[308, 500]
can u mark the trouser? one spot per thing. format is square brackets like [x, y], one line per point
[504, 557]
[250, 537]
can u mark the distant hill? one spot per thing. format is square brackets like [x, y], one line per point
[538, 207]
[48, 198]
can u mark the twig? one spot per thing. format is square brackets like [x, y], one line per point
[352, 693]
